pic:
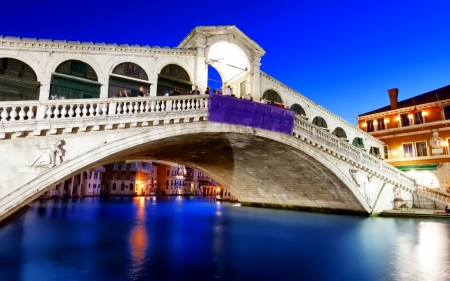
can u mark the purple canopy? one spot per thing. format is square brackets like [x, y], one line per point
[230, 110]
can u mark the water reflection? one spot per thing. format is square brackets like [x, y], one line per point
[138, 239]
[432, 251]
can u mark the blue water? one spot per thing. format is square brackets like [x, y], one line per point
[179, 238]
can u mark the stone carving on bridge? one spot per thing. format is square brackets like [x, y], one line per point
[355, 179]
[231, 37]
[51, 155]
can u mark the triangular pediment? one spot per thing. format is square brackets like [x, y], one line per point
[231, 31]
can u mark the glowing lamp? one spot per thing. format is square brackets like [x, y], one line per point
[396, 118]
[424, 113]
[375, 122]
[410, 116]
[394, 152]
[386, 120]
[364, 124]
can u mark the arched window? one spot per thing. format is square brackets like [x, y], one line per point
[298, 109]
[319, 121]
[114, 186]
[122, 186]
[18, 81]
[74, 79]
[272, 95]
[340, 133]
[172, 76]
[107, 186]
[131, 186]
[358, 142]
[130, 77]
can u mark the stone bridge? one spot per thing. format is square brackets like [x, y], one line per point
[310, 169]
[59, 116]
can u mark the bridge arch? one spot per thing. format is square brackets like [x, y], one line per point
[18, 80]
[327, 186]
[338, 131]
[271, 94]
[320, 121]
[171, 76]
[29, 60]
[130, 76]
[298, 109]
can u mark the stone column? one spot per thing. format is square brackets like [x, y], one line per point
[79, 185]
[71, 186]
[256, 75]
[201, 71]
[60, 189]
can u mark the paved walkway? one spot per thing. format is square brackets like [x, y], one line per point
[415, 213]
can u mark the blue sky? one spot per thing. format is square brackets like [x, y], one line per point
[343, 55]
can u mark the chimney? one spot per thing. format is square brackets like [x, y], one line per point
[393, 95]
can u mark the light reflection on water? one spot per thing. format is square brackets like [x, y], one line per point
[180, 238]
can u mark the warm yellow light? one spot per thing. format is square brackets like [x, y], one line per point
[424, 113]
[375, 122]
[364, 124]
[410, 115]
[394, 152]
[386, 120]
[396, 118]
[400, 148]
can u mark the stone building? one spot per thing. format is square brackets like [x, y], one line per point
[416, 135]
[87, 183]
[130, 178]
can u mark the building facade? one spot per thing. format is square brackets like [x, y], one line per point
[416, 135]
[88, 183]
[130, 178]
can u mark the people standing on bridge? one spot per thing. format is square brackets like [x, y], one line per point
[228, 91]
[264, 101]
[248, 97]
[208, 89]
[176, 92]
[125, 93]
[119, 94]
[195, 91]
[141, 92]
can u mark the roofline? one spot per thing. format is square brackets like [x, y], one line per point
[198, 29]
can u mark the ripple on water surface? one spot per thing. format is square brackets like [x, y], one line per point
[181, 238]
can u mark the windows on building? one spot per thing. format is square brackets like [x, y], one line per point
[131, 186]
[404, 120]
[116, 166]
[386, 152]
[123, 175]
[418, 117]
[319, 121]
[114, 176]
[446, 112]
[114, 186]
[421, 148]
[408, 150]
[380, 124]
[369, 126]
[124, 166]
[107, 186]
[358, 142]
[122, 186]
[375, 151]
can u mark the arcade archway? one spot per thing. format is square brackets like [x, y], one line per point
[173, 76]
[18, 81]
[128, 76]
[74, 79]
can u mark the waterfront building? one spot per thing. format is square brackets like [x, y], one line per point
[87, 183]
[416, 135]
[130, 178]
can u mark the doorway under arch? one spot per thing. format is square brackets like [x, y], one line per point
[271, 95]
[74, 79]
[128, 76]
[18, 81]
[172, 76]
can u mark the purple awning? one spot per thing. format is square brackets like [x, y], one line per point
[230, 110]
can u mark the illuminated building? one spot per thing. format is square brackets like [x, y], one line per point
[130, 178]
[416, 134]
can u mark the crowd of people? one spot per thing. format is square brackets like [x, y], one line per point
[124, 93]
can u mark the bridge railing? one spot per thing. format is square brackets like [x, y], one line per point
[80, 108]
[433, 193]
[364, 159]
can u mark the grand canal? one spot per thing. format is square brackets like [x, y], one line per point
[180, 238]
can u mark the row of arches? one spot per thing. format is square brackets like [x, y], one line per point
[75, 79]
[272, 95]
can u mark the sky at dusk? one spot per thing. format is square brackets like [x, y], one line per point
[343, 55]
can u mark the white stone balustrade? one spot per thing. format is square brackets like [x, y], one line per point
[317, 136]
[433, 193]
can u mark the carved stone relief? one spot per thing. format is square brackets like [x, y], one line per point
[51, 155]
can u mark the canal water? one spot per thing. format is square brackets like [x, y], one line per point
[180, 238]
